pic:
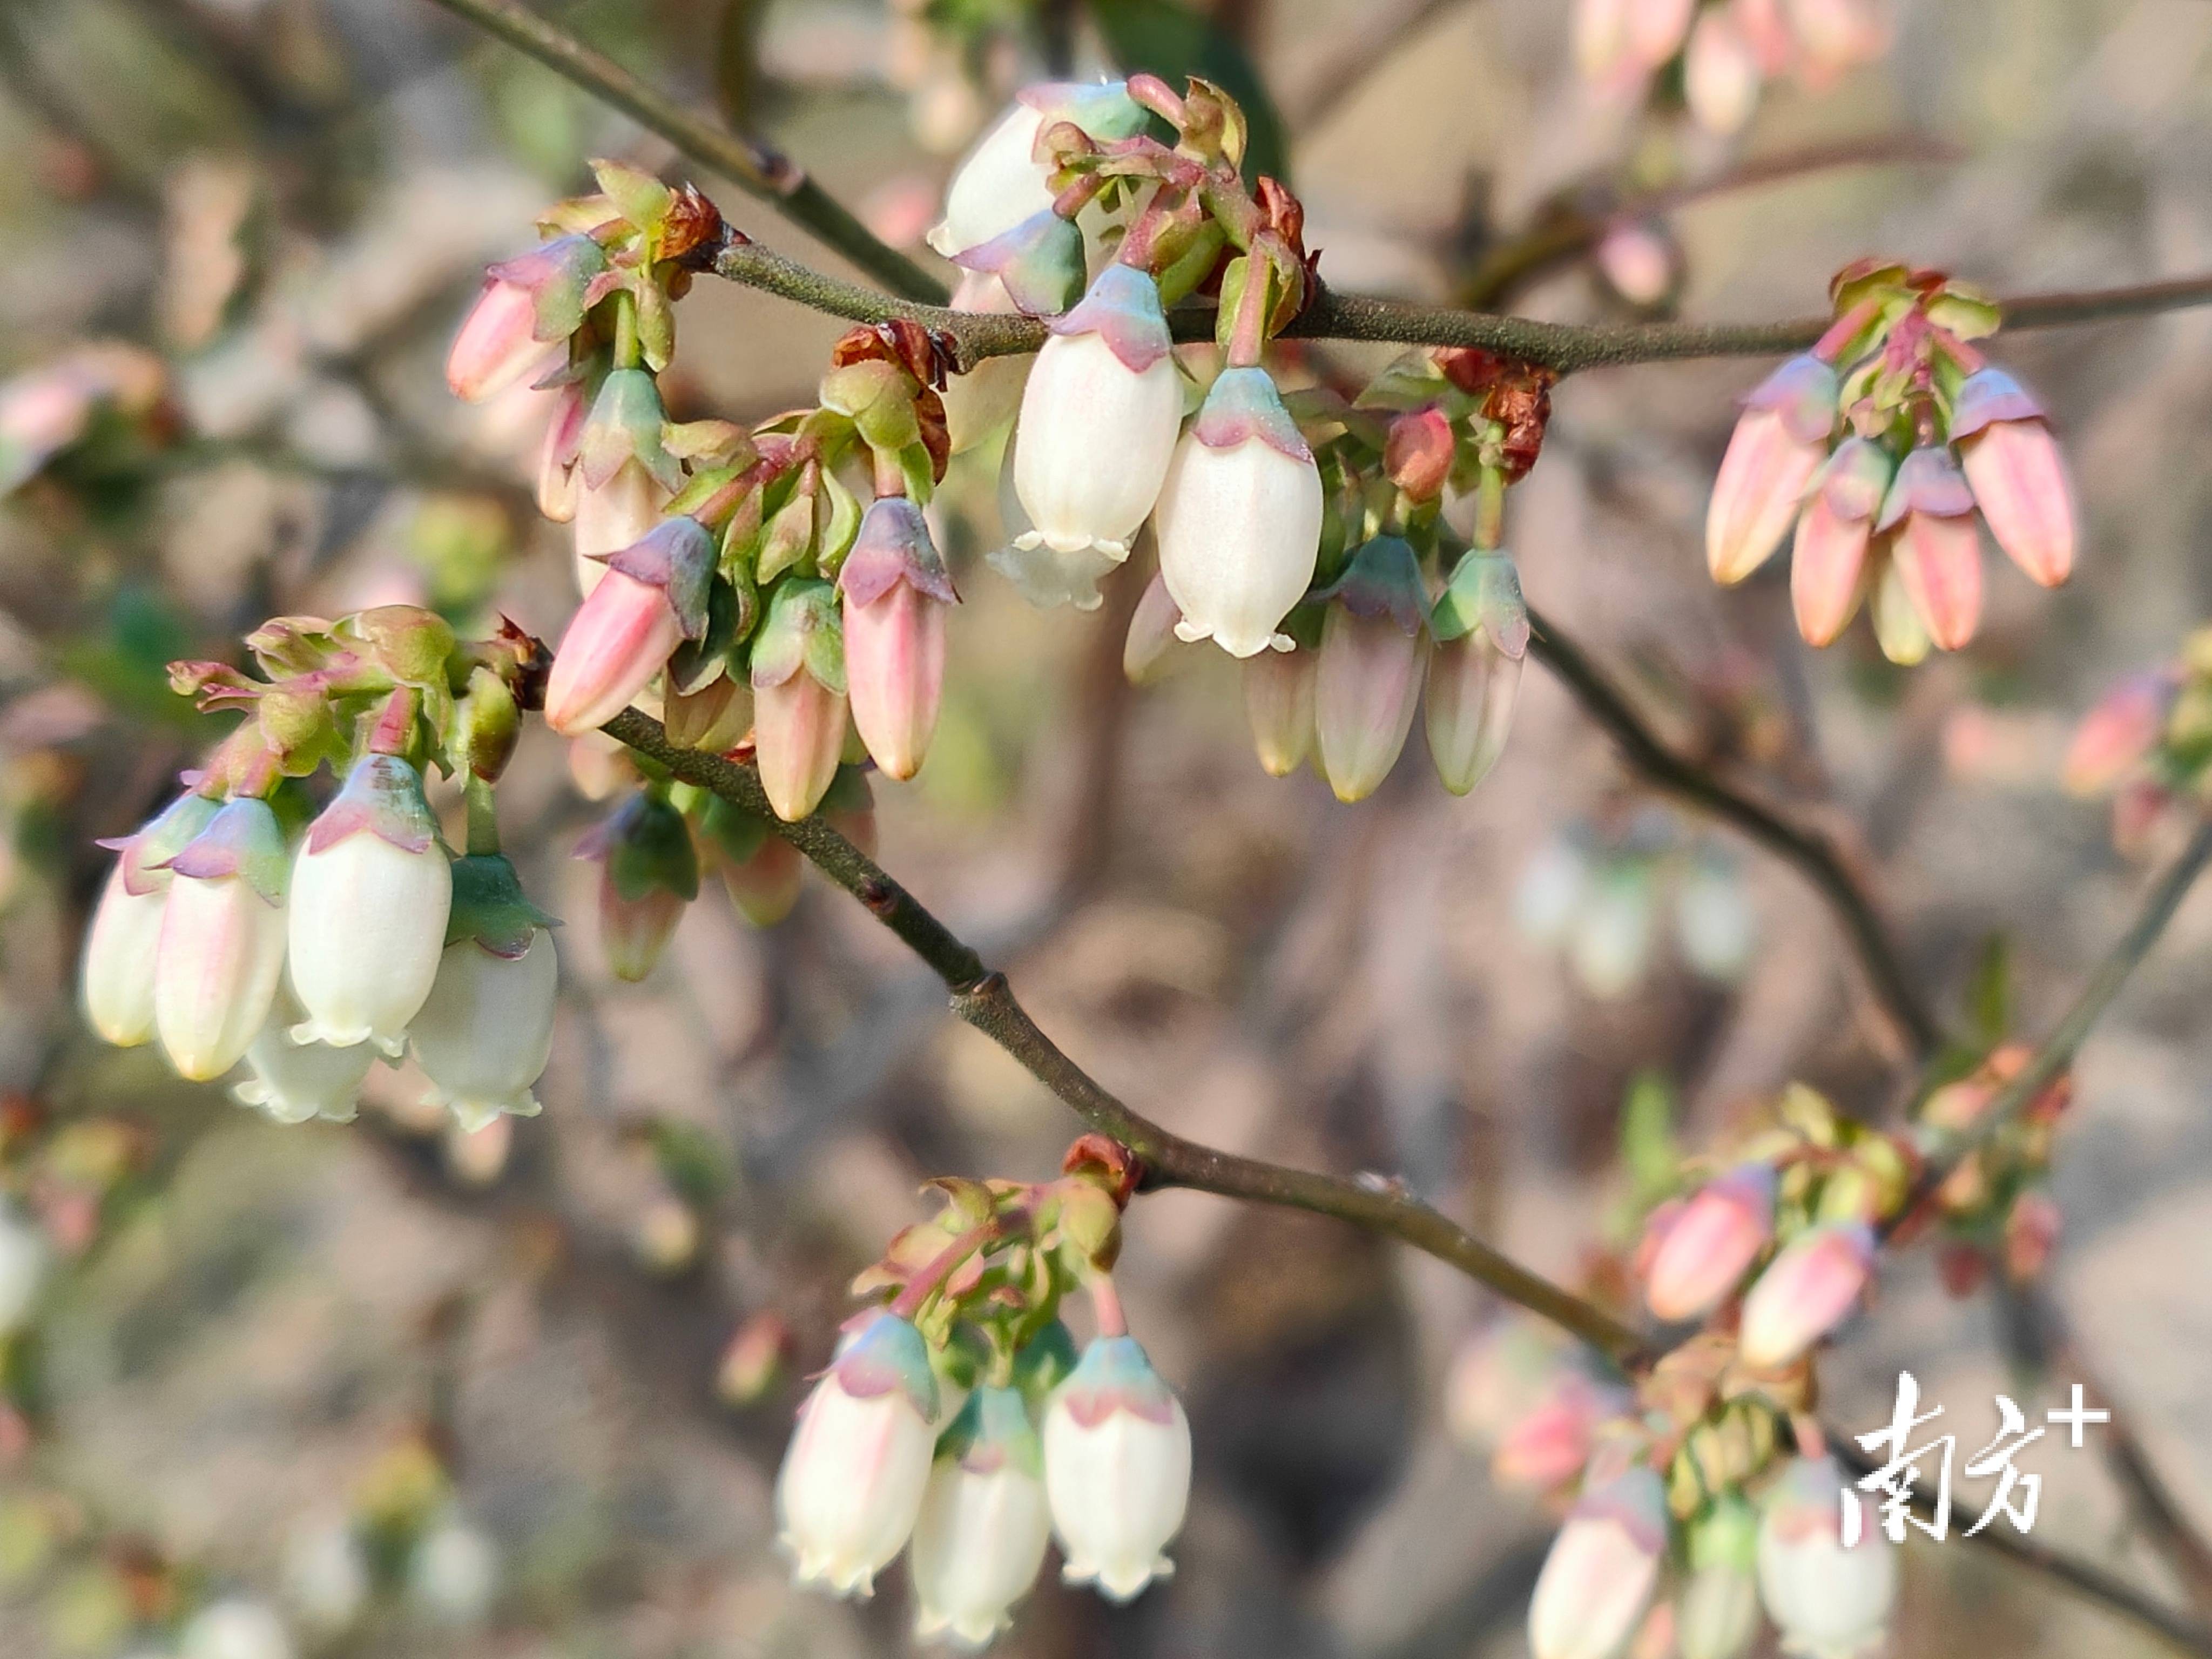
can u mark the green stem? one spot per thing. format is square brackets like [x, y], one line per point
[483, 818]
[626, 352]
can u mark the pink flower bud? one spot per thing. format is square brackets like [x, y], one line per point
[496, 348]
[485, 1033]
[1504, 1371]
[1116, 1469]
[2017, 475]
[222, 946]
[759, 869]
[895, 593]
[1779, 444]
[1710, 1243]
[2031, 1234]
[1720, 75]
[798, 696]
[648, 871]
[560, 490]
[715, 718]
[1418, 456]
[1239, 517]
[2119, 733]
[1828, 564]
[1655, 29]
[1806, 1291]
[1603, 1566]
[1898, 626]
[1830, 1602]
[859, 1463]
[117, 970]
[981, 1532]
[1550, 1443]
[370, 896]
[1481, 629]
[654, 599]
[1278, 705]
[1929, 516]
[1373, 655]
[1641, 262]
[1151, 631]
[611, 516]
[1099, 419]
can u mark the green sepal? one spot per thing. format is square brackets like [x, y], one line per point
[490, 907]
[1484, 591]
[801, 630]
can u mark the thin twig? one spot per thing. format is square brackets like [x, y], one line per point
[759, 168]
[1814, 856]
[1562, 347]
[985, 1000]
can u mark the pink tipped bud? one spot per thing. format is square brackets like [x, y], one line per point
[798, 696]
[1550, 1445]
[497, 346]
[1898, 627]
[2031, 1234]
[1603, 1566]
[611, 516]
[1278, 704]
[560, 490]
[1481, 625]
[1151, 631]
[222, 945]
[1373, 656]
[1710, 1243]
[648, 871]
[1641, 262]
[1806, 1292]
[1720, 75]
[622, 638]
[897, 593]
[2114, 737]
[1419, 454]
[1934, 546]
[759, 869]
[1830, 1601]
[1777, 446]
[1828, 564]
[2018, 475]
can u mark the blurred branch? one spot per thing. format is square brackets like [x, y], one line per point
[985, 1000]
[761, 170]
[1564, 348]
[2057, 1051]
[1816, 858]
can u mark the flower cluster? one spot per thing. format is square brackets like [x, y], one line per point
[306, 956]
[957, 1421]
[1687, 1514]
[1725, 49]
[2147, 742]
[1929, 433]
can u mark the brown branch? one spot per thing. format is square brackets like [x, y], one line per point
[759, 168]
[1813, 855]
[985, 1000]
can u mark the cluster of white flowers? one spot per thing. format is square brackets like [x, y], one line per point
[308, 962]
[888, 1453]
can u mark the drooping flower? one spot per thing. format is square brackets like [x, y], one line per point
[625, 469]
[289, 1082]
[370, 894]
[1278, 706]
[1830, 1602]
[1367, 683]
[1934, 547]
[2114, 737]
[1116, 1468]
[799, 696]
[859, 1462]
[1717, 1611]
[1805, 1293]
[611, 516]
[1145, 650]
[519, 327]
[1239, 517]
[1603, 1566]
[1898, 628]
[221, 946]
[1003, 181]
[1551, 1441]
[560, 490]
[486, 1030]
[1779, 441]
[117, 970]
[897, 593]
[1709, 1244]
[1828, 560]
[1099, 418]
[1480, 626]
[981, 1534]
[2017, 475]
[759, 869]
[648, 871]
[653, 600]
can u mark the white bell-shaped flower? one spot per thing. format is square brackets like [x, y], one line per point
[1003, 181]
[981, 1533]
[859, 1462]
[118, 969]
[370, 896]
[1603, 1566]
[290, 1082]
[486, 1030]
[1116, 1468]
[1239, 517]
[1830, 1602]
[1099, 418]
[222, 946]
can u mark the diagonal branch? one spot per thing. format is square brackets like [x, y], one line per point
[759, 168]
[985, 1000]
[1814, 856]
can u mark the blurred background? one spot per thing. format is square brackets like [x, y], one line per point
[523, 1394]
